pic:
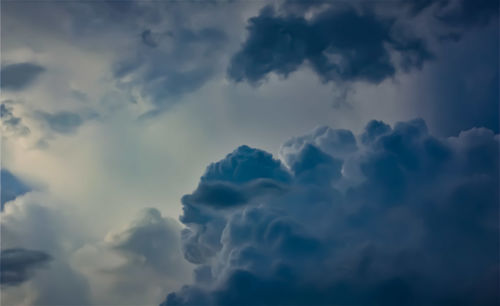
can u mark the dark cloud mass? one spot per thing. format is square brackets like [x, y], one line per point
[19, 76]
[339, 44]
[394, 216]
[17, 265]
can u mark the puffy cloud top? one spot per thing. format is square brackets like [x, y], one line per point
[392, 216]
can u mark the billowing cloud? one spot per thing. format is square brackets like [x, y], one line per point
[20, 75]
[17, 265]
[392, 216]
[339, 43]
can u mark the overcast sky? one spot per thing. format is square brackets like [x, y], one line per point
[112, 111]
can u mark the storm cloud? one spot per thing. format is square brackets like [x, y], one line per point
[338, 43]
[391, 216]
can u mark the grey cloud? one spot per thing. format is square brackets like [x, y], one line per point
[11, 122]
[62, 122]
[20, 75]
[338, 43]
[161, 68]
[11, 187]
[30, 224]
[153, 241]
[418, 216]
[17, 265]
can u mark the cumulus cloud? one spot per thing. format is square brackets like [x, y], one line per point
[339, 43]
[16, 265]
[20, 75]
[392, 216]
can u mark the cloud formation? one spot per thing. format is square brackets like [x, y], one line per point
[20, 75]
[17, 265]
[11, 123]
[339, 43]
[160, 68]
[32, 222]
[392, 216]
[154, 242]
[11, 187]
[63, 122]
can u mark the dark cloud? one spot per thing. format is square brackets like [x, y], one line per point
[11, 187]
[400, 217]
[466, 13]
[339, 44]
[62, 122]
[17, 265]
[148, 39]
[20, 75]
[246, 164]
[461, 90]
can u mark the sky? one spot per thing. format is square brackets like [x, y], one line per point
[249, 152]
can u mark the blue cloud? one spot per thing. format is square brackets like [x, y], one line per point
[245, 164]
[63, 122]
[339, 43]
[20, 75]
[17, 265]
[402, 218]
[11, 187]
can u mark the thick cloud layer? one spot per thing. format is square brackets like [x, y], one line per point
[339, 43]
[17, 265]
[393, 216]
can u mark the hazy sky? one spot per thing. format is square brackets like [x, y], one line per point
[111, 112]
